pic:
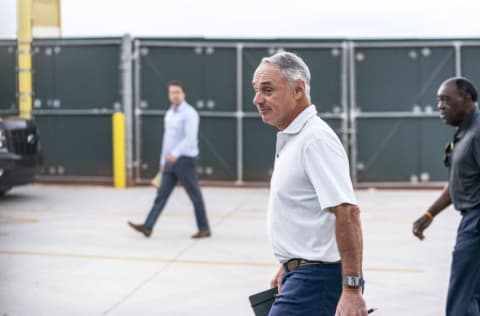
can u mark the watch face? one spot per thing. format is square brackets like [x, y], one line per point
[353, 281]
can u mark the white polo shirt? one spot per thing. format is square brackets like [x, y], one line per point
[311, 174]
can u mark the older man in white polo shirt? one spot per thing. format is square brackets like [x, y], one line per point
[313, 218]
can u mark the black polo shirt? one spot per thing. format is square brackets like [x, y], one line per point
[465, 164]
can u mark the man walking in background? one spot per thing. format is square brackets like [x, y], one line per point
[313, 220]
[457, 99]
[178, 162]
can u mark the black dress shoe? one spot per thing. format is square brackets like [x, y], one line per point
[202, 234]
[140, 228]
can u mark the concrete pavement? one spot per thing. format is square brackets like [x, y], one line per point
[67, 250]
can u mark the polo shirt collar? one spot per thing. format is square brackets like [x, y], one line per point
[299, 122]
[294, 128]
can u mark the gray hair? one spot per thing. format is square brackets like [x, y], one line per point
[292, 67]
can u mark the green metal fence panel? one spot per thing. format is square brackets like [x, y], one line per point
[470, 61]
[87, 76]
[388, 149]
[160, 65]
[151, 140]
[390, 79]
[251, 57]
[434, 135]
[43, 77]
[76, 146]
[76, 77]
[402, 149]
[208, 73]
[259, 147]
[218, 149]
[387, 77]
[400, 78]
[220, 79]
[325, 68]
[436, 65]
[8, 76]
[217, 159]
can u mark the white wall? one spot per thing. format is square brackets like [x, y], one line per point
[262, 18]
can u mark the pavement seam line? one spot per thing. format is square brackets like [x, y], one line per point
[17, 220]
[148, 280]
[187, 261]
[182, 252]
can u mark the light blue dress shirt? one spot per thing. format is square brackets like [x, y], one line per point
[180, 136]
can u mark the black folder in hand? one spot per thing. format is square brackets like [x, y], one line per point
[262, 302]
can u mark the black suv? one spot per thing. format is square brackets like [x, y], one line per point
[20, 155]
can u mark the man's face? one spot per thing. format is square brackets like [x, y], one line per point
[176, 95]
[451, 103]
[274, 98]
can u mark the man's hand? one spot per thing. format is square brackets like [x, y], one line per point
[420, 225]
[426, 219]
[351, 303]
[277, 280]
[170, 159]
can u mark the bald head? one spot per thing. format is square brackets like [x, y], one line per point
[464, 87]
[456, 100]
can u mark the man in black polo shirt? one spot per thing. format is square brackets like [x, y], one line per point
[457, 99]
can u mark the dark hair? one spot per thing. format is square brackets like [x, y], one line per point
[466, 87]
[176, 83]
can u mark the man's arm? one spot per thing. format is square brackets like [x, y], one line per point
[349, 238]
[441, 203]
[350, 245]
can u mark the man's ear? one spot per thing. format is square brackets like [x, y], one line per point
[300, 89]
[468, 97]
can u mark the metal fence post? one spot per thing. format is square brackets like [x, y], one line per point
[127, 98]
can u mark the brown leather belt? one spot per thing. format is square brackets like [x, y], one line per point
[292, 264]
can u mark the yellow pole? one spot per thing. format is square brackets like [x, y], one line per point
[59, 18]
[119, 153]
[25, 58]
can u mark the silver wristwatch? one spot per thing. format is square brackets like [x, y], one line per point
[353, 282]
